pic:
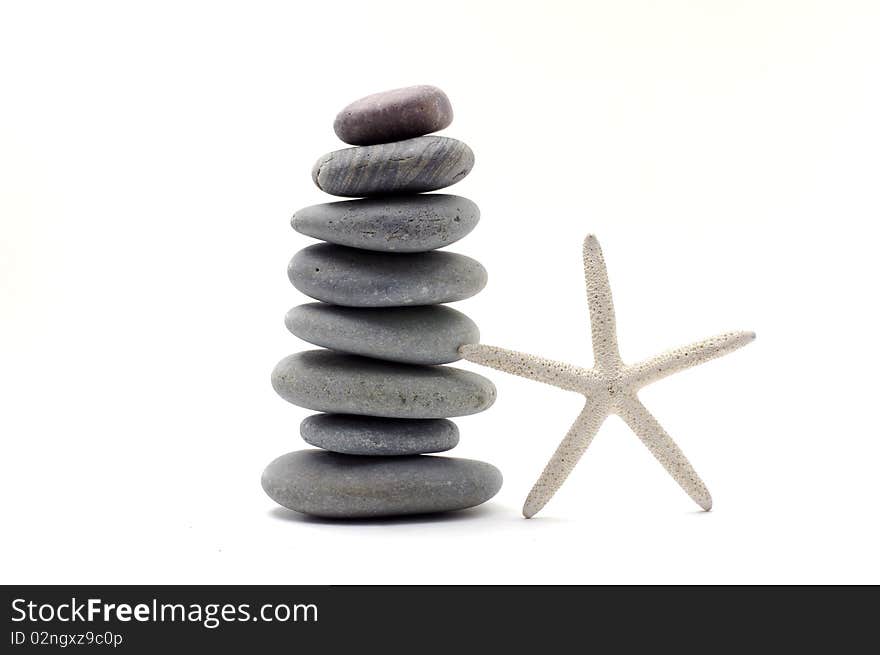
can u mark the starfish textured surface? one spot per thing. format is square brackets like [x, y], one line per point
[610, 387]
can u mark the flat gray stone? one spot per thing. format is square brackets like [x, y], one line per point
[327, 381]
[327, 484]
[426, 163]
[372, 435]
[394, 115]
[391, 223]
[361, 278]
[429, 334]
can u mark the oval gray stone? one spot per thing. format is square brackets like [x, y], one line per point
[327, 381]
[426, 163]
[328, 484]
[392, 223]
[361, 278]
[394, 115]
[429, 334]
[372, 435]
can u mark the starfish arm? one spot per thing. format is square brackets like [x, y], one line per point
[566, 457]
[685, 357]
[559, 374]
[667, 452]
[602, 320]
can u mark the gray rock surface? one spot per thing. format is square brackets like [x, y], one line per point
[429, 334]
[371, 435]
[394, 115]
[426, 163]
[327, 381]
[328, 484]
[361, 278]
[391, 223]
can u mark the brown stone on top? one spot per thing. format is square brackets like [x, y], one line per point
[394, 116]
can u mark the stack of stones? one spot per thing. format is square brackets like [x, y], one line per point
[383, 329]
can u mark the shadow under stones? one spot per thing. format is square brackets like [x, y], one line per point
[480, 512]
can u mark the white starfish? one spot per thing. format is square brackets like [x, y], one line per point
[610, 387]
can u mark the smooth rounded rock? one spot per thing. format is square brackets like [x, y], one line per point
[426, 163]
[372, 435]
[331, 485]
[392, 223]
[362, 278]
[327, 381]
[394, 115]
[429, 334]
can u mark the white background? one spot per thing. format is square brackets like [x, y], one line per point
[725, 153]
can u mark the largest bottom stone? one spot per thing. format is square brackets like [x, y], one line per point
[329, 484]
